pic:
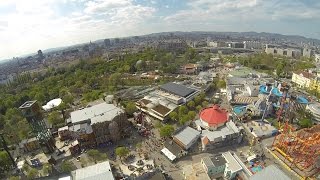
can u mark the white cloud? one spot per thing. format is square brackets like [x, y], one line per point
[99, 6]
[40, 24]
[36, 25]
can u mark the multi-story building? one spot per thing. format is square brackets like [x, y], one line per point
[302, 79]
[252, 45]
[317, 57]
[167, 98]
[189, 68]
[232, 166]
[283, 51]
[98, 124]
[214, 166]
[307, 52]
[224, 165]
[315, 84]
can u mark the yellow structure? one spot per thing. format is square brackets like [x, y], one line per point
[315, 85]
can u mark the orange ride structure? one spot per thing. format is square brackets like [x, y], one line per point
[300, 150]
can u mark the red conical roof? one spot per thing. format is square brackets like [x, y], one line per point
[214, 115]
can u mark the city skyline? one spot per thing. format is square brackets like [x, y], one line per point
[26, 26]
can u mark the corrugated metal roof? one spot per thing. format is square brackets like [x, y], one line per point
[177, 89]
[97, 113]
[187, 135]
[100, 171]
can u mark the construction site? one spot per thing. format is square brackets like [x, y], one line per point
[298, 149]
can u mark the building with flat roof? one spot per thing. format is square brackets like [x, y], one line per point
[100, 171]
[223, 136]
[214, 166]
[283, 51]
[302, 78]
[98, 124]
[173, 151]
[270, 172]
[186, 137]
[232, 166]
[186, 93]
[167, 98]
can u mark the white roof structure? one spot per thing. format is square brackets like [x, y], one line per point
[219, 134]
[100, 171]
[52, 104]
[97, 113]
[232, 163]
[65, 178]
[167, 153]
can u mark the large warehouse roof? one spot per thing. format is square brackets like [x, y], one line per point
[177, 89]
[97, 113]
[100, 171]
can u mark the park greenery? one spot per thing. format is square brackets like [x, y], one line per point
[96, 155]
[281, 65]
[81, 83]
[188, 112]
[122, 152]
[130, 108]
[67, 167]
[166, 130]
[32, 173]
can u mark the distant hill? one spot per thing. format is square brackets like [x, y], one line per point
[253, 35]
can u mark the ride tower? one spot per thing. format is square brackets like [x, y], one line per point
[32, 112]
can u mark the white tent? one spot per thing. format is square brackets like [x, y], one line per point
[51, 104]
[167, 153]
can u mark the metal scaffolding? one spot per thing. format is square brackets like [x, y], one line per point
[301, 148]
[32, 112]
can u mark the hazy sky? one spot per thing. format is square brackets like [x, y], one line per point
[29, 25]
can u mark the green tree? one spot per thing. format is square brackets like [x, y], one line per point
[305, 123]
[173, 115]
[192, 114]
[131, 108]
[95, 155]
[5, 163]
[197, 100]
[55, 118]
[221, 84]
[32, 173]
[166, 131]
[14, 178]
[47, 169]
[122, 152]
[199, 107]
[183, 110]
[191, 104]
[183, 119]
[66, 166]
[205, 103]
